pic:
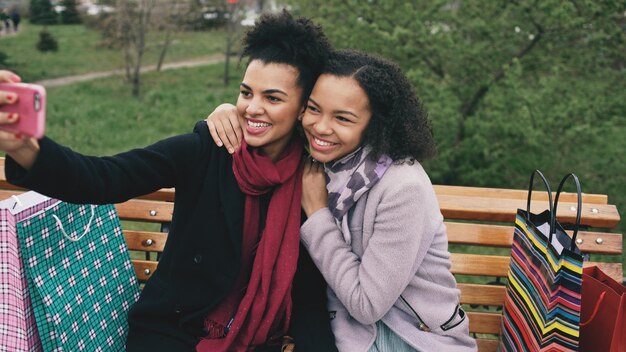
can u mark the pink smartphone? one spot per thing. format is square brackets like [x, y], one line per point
[31, 107]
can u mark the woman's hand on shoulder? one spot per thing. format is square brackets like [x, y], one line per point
[314, 193]
[225, 128]
[21, 148]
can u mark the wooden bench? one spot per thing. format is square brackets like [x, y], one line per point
[480, 232]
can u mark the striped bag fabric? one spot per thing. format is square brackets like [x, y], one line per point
[543, 296]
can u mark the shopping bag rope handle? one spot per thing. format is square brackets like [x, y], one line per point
[77, 238]
[530, 192]
[595, 310]
[578, 207]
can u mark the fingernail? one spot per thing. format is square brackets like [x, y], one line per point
[15, 78]
[12, 116]
[231, 150]
[219, 143]
[10, 98]
[18, 135]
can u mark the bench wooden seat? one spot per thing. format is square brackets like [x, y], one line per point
[480, 232]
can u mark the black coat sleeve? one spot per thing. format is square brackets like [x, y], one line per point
[64, 174]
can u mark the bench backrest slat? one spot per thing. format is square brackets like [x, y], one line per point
[495, 193]
[145, 241]
[498, 266]
[504, 210]
[144, 268]
[146, 210]
[487, 345]
[502, 236]
[489, 295]
[484, 323]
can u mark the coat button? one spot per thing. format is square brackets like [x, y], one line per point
[197, 259]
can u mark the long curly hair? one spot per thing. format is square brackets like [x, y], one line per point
[282, 39]
[399, 126]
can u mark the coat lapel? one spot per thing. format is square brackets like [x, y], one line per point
[232, 200]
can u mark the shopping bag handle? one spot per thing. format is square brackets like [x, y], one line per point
[77, 238]
[530, 192]
[578, 207]
[595, 310]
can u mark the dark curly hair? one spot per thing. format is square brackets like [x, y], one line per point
[281, 39]
[399, 126]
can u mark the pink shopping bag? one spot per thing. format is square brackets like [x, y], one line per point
[18, 329]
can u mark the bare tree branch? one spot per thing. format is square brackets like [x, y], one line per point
[133, 25]
[170, 27]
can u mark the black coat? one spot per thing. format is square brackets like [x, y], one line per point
[202, 255]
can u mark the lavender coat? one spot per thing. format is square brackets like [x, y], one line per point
[398, 248]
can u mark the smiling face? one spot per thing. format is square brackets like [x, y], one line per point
[336, 117]
[269, 104]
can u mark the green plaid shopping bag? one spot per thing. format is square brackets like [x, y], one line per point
[80, 277]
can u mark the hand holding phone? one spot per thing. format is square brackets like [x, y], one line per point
[30, 106]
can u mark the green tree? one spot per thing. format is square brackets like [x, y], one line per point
[41, 12]
[46, 41]
[510, 85]
[70, 14]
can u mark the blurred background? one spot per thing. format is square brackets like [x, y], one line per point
[510, 86]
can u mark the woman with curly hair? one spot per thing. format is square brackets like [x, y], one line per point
[374, 228]
[224, 281]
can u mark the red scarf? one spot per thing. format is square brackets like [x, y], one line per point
[263, 311]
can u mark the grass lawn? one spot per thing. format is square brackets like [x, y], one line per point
[101, 117]
[79, 50]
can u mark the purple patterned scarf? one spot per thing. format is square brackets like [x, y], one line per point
[350, 177]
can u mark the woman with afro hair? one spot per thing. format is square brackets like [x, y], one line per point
[374, 228]
[224, 280]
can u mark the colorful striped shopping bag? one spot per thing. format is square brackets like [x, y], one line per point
[543, 297]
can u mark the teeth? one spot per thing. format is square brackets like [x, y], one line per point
[322, 143]
[258, 124]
